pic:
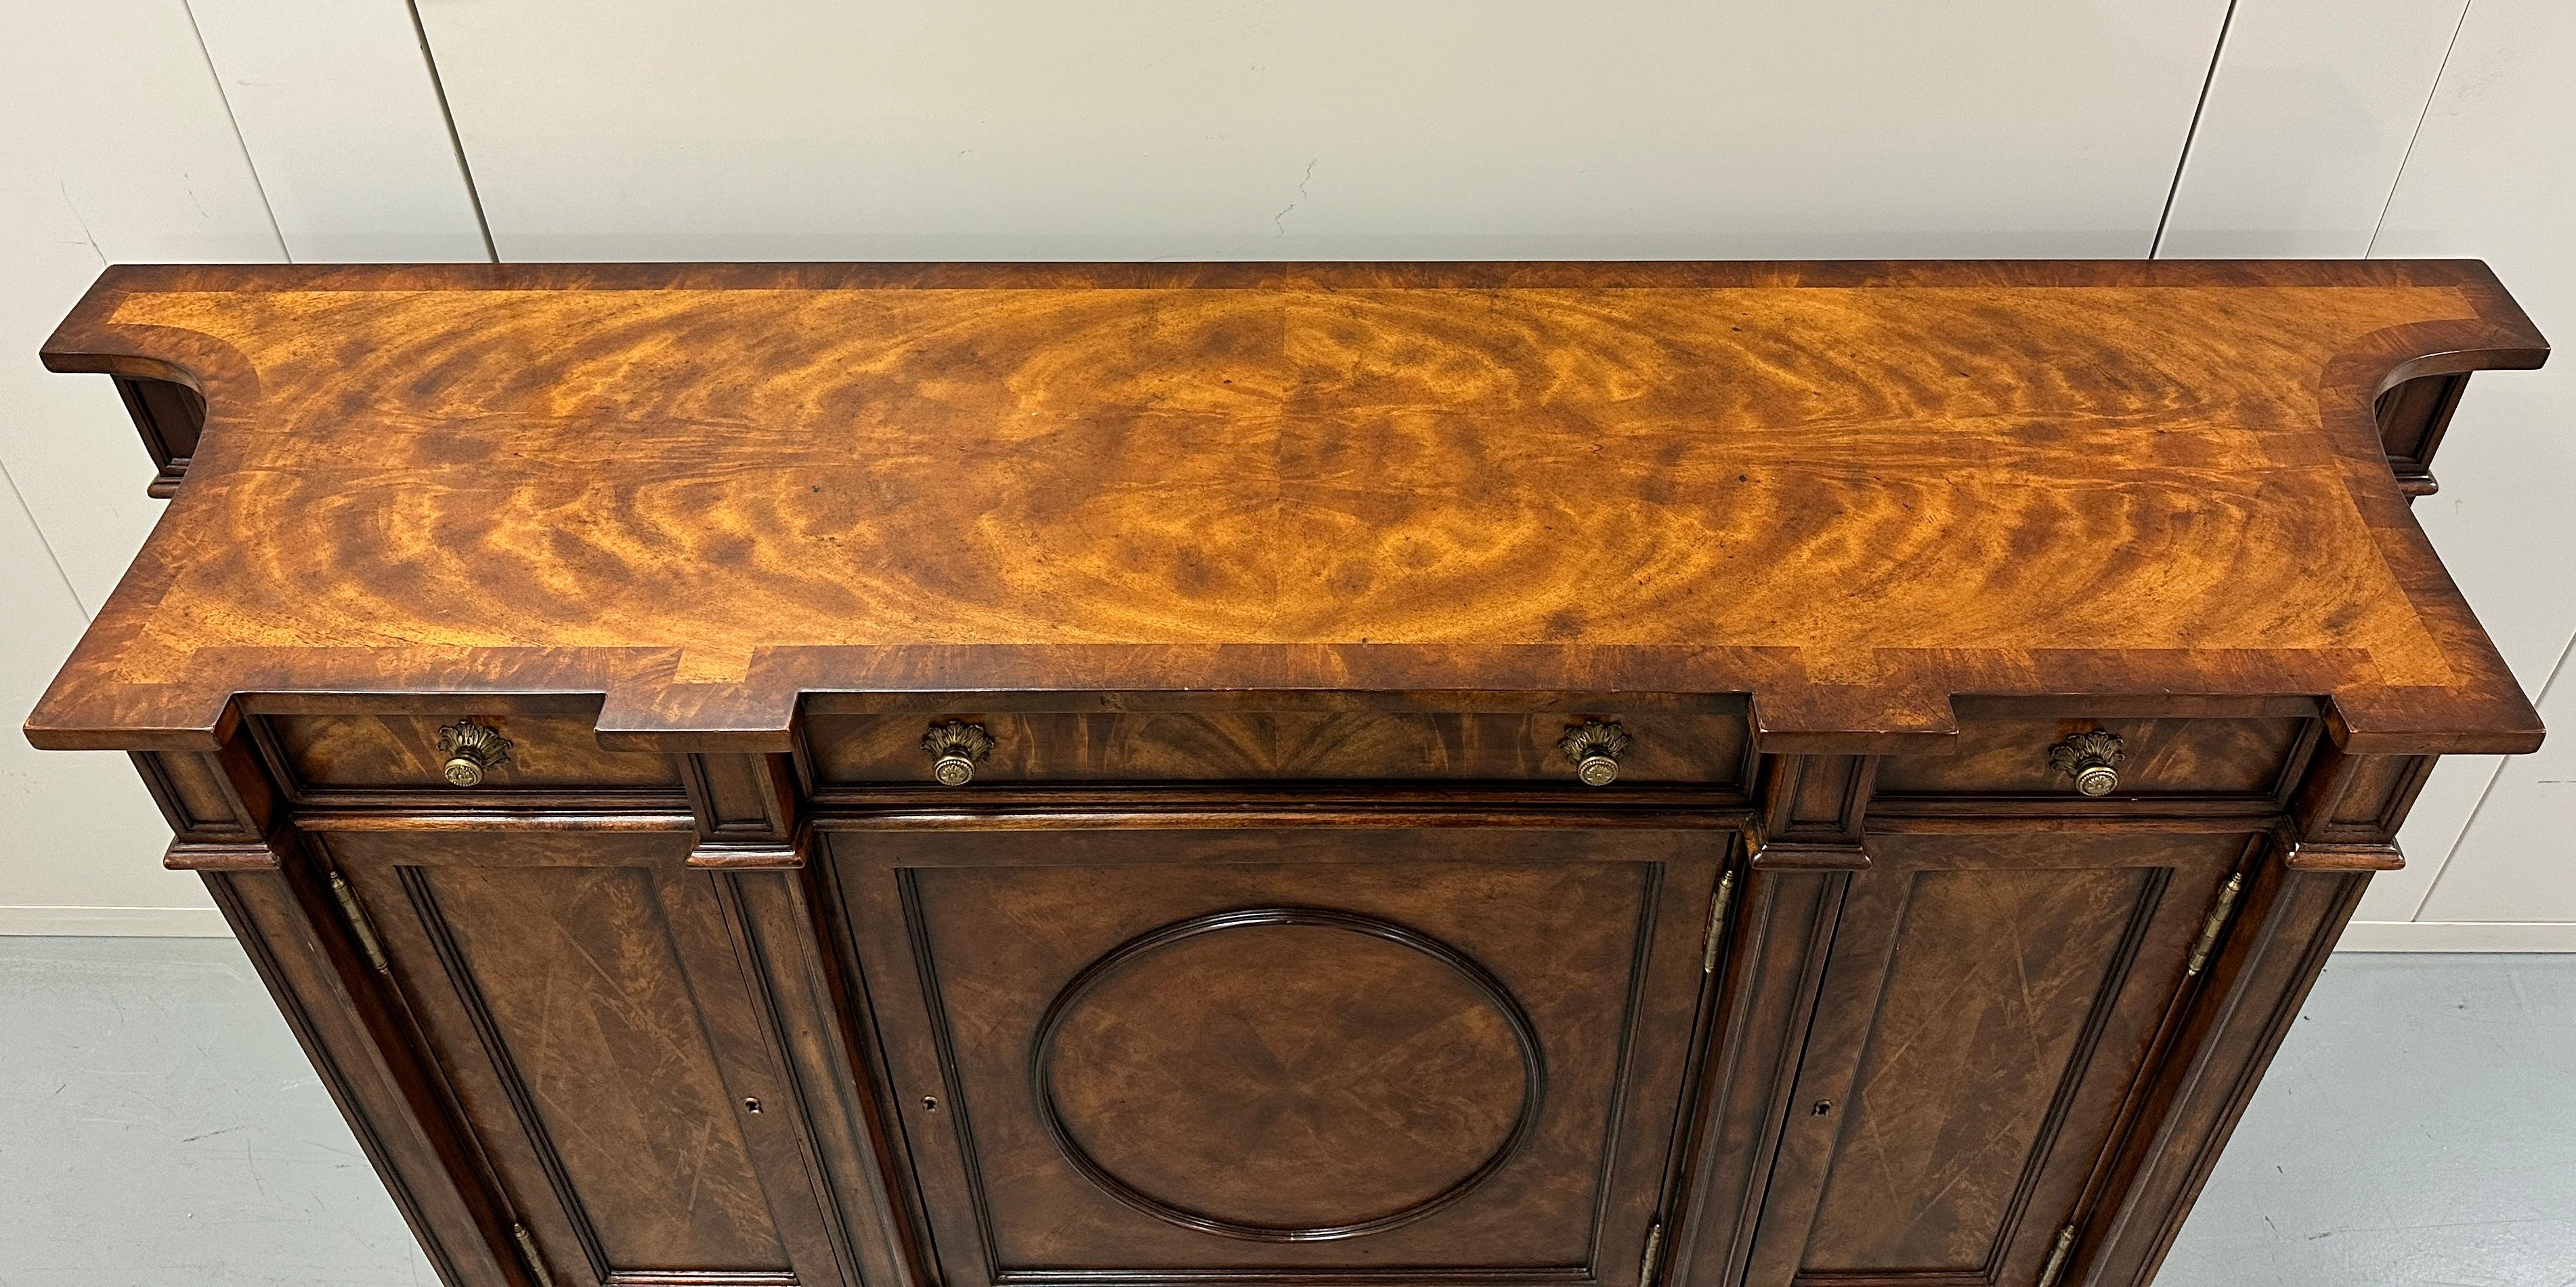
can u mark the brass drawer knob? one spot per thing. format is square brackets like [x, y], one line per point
[472, 750]
[1595, 748]
[955, 749]
[2092, 759]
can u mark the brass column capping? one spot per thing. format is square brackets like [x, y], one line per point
[1791, 855]
[2308, 855]
[756, 855]
[183, 855]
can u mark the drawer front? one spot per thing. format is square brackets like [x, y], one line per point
[546, 751]
[1696, 748]
[2156, 757]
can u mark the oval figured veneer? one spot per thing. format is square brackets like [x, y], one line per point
[1287, 1074]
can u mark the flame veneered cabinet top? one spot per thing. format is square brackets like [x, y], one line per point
[1853, 492]
[1547, 775]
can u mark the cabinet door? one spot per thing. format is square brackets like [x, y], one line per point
[1988, 1007]
[1327, 1053]
[582, 997]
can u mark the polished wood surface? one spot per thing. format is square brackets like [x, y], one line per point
[1642, 775]
[2247, 757]
[1297, 1049]
[1986, 1008]
[1710, 747]
[1852, 491]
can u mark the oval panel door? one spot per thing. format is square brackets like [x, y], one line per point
[1318, 1052]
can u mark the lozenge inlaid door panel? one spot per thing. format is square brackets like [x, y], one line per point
[1989, 1005]
[1330, 1052]
[583, 1000]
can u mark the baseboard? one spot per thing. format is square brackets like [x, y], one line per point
[116, 922]
[2458, 936]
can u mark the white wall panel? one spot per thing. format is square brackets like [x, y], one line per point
[2432, 828]
[1326, 128]
[117, 148]
[2517, 861]
[2307, 122]
[80, 842]
[338, 112]
[2493, 175]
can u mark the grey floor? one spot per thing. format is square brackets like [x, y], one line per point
[158, 1126]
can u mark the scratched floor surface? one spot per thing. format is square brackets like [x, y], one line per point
[158, 1126]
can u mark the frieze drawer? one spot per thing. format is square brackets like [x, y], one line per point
[471, 749]
[2110, 758]
[1662, 748]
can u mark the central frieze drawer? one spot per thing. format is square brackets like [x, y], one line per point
[1698, 748]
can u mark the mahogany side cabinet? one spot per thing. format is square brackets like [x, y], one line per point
[1257, 775]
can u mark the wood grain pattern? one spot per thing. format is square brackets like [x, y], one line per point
[586, 1007]
[1990, 1003]
[1307, 1130]
[1669, 748]
[1331, 1085]
[1276, 944]
[1927, 1181]
[2160, 757]
[1851, 491]
[547, 751]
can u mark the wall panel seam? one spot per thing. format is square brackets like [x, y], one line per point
[455, 141]
[2398, 180]
[45, 543]
[2217, 51]
[233, 124]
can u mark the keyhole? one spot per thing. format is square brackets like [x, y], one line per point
[929, 1104]
[751, 1105]
[1824, 1106]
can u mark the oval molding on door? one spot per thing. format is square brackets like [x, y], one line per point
[1268, 1062]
